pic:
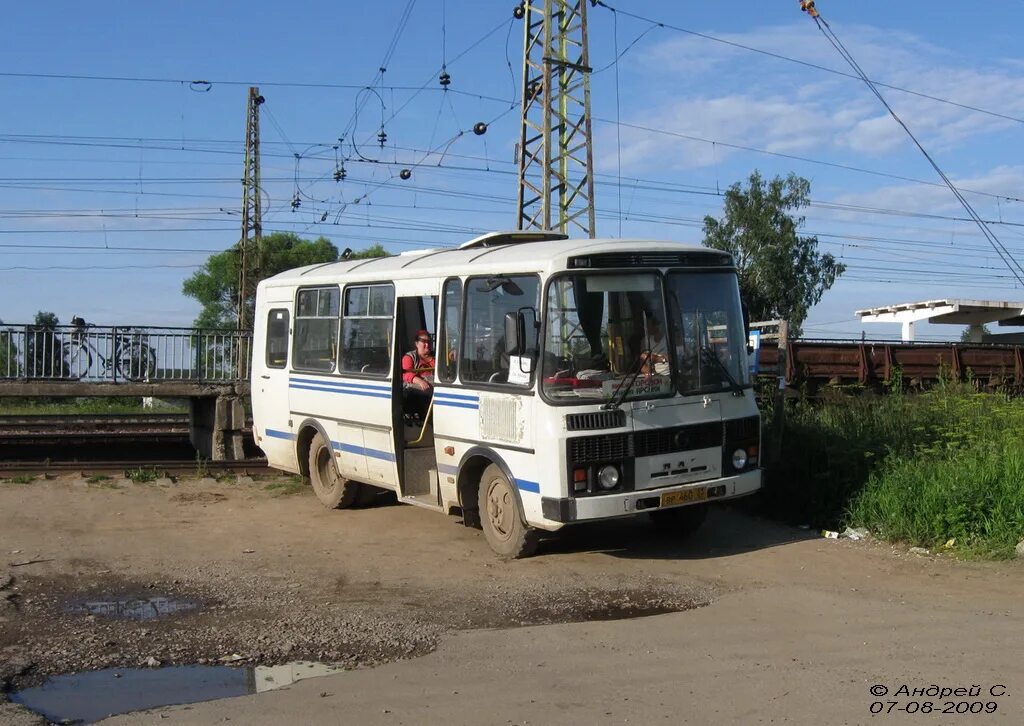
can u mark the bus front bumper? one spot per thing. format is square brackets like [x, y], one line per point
[606, 506]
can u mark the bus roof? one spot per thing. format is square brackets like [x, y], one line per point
[490, 254]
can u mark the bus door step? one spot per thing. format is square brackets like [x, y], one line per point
[419, 475]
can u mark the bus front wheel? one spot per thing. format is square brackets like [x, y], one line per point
[501, 519]
[332, 489]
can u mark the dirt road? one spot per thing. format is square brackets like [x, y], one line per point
[752, 622]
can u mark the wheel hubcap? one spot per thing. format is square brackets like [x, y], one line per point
[324, 468]
[500, 508]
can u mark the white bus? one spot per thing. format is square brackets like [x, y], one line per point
[575, 380]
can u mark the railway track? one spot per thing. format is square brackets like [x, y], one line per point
[92, 428]
[106, 444]
[174, 467]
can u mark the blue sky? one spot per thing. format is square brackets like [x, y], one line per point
[91, 166]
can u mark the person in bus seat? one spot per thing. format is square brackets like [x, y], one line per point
[655, 347]
[418, 374]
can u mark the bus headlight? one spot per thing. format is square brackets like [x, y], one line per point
[739, 459]
[608, 477]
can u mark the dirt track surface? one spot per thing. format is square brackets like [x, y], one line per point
[751, 622]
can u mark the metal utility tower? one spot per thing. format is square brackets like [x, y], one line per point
[556, 184]
[252, 227]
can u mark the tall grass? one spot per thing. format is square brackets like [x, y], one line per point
[924, 468]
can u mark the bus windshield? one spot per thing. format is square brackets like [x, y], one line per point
[605, 337]
[707, 331]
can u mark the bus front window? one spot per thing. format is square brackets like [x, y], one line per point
[709, 336]
[603, 331]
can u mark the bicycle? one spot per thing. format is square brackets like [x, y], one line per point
[131, 356]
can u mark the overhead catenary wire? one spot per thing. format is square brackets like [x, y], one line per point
[1014, 266]
[808, 64]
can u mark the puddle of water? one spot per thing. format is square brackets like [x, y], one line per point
[133, 608]
[90, 696]
[94, 695]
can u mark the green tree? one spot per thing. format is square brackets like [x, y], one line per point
[965, 335]
[44, 353]
[215, 285]
[374, 250]
[8, 354]
[781, 273]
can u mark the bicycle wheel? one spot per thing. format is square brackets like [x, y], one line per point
[79, 362]
[137, 362]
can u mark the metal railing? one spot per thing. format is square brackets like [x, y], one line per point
[123, 354]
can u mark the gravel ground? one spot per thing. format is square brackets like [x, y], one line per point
[255, 620]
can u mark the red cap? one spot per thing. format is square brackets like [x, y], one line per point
[423, 334]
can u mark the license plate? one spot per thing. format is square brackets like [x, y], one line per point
[684, 497]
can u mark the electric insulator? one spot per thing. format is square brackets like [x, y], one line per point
[445, 79]
[382, 138]
[296, 202]
[405, 174]
[323, 217]
[519, 11]
[535, 88]
[479, 128]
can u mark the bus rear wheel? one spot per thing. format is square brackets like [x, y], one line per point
[680, 521]
[501, 519]
[332, 489]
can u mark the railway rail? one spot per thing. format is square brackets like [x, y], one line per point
[173, 467]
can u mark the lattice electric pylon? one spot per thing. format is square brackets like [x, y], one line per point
[556, 184]
[249, 262]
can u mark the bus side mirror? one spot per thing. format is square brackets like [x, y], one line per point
[515, 333]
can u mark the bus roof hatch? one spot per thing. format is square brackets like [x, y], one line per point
[496, 239]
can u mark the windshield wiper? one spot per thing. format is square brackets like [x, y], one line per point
[709, 356]
[624, 387]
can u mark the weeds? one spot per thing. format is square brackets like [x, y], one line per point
[287, 486]
[97, 478]
[924, 468]
[22, 479]
[142, 476]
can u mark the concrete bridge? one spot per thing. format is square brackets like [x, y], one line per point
[209, 368]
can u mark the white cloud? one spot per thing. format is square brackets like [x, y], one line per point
[754, 100]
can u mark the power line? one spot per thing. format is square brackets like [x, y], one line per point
[808, 64]
[1000, 249]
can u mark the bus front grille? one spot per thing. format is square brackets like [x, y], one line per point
[596, 449]
[678, 438]
[595, 420]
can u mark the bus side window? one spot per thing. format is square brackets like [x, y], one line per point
[366, 329]
[448, 336]
[485, 358]
[316, 329]
[277, 338]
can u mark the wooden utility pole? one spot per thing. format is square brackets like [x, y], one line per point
[556, 156]
[249, 246]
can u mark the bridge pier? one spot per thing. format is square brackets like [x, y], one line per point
[216, 427]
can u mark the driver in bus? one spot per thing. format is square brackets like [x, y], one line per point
[655, 353]
[418, 374]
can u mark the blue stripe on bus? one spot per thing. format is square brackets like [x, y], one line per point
[279, 434]
[455, 396]
[372, 453]
[455, 404]
[338, 384]
[528, 486]
[447, 469]
[326, 389]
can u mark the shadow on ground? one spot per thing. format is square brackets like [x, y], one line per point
[727, 531]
